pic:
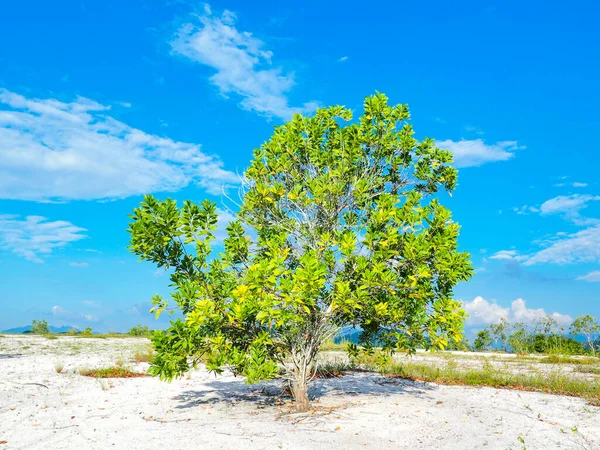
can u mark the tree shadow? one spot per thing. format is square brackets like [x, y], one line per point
[8, 356]
[266, 394]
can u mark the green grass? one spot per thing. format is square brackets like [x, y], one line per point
[588, 369]
[333, 368]
[111, 372]
[108, 335]
[553, 383]
[560, 359]
[144, 355]
[331, 346]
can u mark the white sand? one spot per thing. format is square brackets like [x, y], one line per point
[206, 412]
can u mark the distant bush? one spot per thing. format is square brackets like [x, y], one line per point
[483, 341]
[87, 332]
[139, 330]
[40, 327]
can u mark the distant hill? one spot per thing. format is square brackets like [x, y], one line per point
[27, 329]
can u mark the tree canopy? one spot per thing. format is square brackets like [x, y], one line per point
[340, 224]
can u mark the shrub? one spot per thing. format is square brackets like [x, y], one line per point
[40, 327]
[139, 330]
[111, 372]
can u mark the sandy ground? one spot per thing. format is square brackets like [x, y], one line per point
[43, 409]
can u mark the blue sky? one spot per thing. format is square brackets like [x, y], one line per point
[101, 102]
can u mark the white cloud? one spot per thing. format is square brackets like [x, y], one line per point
[525, 209]
[592, 277]
[35, 236]
[483, 312]
[568, 205]
[470, 153]
[51, 150]
[343, 58]
[508, 255]
[71, 318]
[78, 264]
[582, 246]
[578, 184]
[243, 66]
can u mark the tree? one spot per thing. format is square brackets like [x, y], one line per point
[139, 330]
[500, 333]
[589, 328]
[520, 340]
[549, 327]
[40, 327]
[338, 226]
[483, 341]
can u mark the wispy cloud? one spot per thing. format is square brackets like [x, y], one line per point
[592, 277]
[78, 264]
[243, 65]
[579, 247]
[484, 312]
[472, 153]
[75, 151]
[35, 236]
[508, 255]
[564, 248]
[525, 209]
[75, 319]
[569, 206]
[342, 59]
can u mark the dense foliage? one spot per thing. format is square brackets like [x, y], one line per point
[338, 226]
[40, 327]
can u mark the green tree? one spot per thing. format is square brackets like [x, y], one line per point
[139, 330]
[339, 225]
[87, 332]
[500, 333]
[40, 327]
[549, 327]
[520, 339]
[589, 328]
[483, 341]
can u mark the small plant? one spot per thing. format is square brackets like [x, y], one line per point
[558, 359]
[87, 332]
[587, 369]
[59, 367]
[333, 368]
[144, 355]
[111, 372]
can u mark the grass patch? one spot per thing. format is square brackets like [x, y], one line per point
[559, 359]
[333, 368]
[588, 369]
[552, 383]
[144, 355]
[331, 346]
[111, 372]
[106, 336]
[59, 367]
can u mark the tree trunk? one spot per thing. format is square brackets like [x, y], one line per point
[299, 383]
[300, 391]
